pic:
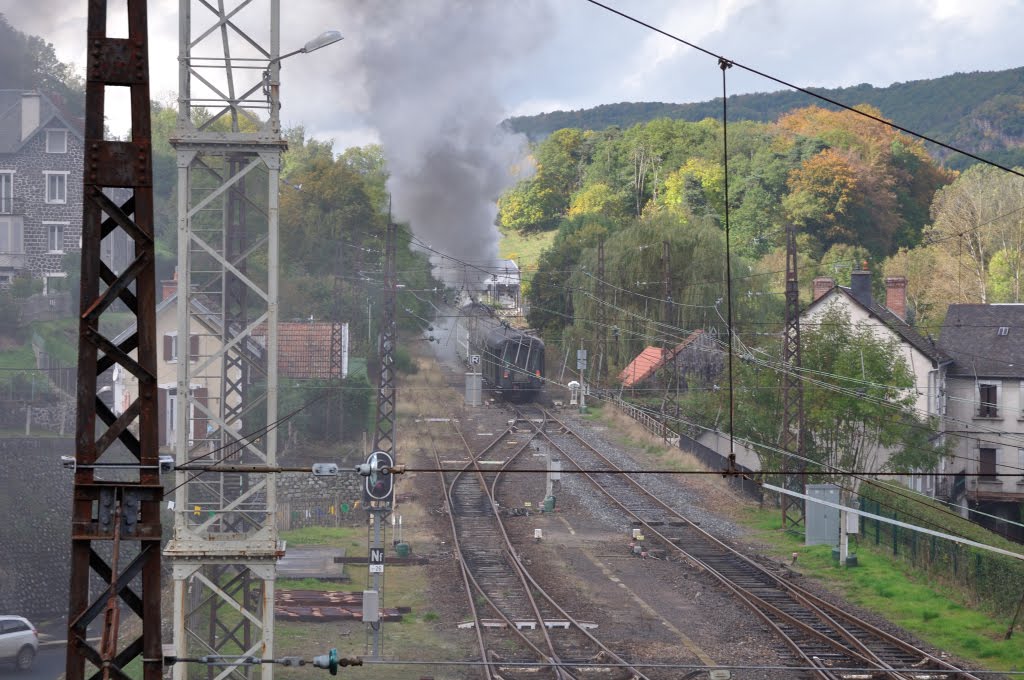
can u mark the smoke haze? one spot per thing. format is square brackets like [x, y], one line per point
[426, 77]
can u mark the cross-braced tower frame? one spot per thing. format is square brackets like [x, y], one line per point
[229, 145]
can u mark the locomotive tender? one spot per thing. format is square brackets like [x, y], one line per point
[511, 361]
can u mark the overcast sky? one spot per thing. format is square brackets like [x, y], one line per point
[574, 54]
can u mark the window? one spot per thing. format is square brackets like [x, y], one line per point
[56, 187]
[171, 346]
[54, 283]
[988, 400]
[11, 236]
[987, 464]
[55, 236]
[6, 192]
[56, 141]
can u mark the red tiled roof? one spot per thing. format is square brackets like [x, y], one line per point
[643, 367]
[651, 359]
[304, 349]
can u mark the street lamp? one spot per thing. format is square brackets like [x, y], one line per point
[270, 82]
[323, 40]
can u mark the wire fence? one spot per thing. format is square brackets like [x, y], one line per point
[994, 580]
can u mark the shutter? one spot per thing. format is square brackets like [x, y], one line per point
[199, 420]
[161, 409]
[168, 346]
[193, 347]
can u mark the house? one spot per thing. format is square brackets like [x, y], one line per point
[503, 285]
[206, 386]
[889, 322]
[306, 350]
[647, 364]
[41, 164]
[985, 414]
[41, 160]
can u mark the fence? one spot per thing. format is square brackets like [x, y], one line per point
[330, 511]
[743, 483]
[649, 422]
[41, 307]
[995, 580]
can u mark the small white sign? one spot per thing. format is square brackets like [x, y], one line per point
[376, 568]
[474, 359]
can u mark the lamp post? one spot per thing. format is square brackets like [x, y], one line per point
[271, 84]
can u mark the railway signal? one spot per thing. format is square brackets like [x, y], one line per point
[379, 485]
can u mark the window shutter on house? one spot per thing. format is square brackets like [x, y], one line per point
[193, 347]
[199, 420]
[168, 346]
[161, 408]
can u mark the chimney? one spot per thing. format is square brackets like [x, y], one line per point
[29, 113]
[860, 285]
[822, 285]
[896, 295]
[169, 287]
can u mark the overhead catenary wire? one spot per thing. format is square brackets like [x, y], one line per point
[810, 93]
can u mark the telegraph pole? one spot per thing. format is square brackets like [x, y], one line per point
[792, 436]
[120, 545]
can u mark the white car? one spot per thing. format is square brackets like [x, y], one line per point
[19, 641]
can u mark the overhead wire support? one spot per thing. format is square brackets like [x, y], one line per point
[792, 435]
[115, 521]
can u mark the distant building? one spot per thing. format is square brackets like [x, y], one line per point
[503, 285]
[41, 157]
[41, 163]
[985, 413]
[888, 322]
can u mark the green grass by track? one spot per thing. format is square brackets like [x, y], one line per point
[899, 593]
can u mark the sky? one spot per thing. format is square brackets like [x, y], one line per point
[574, 54]
[431, 79]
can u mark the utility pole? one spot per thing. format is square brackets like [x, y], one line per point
[115, 522]
[792, 436]
[669, 399]
[602, 314]
[379, 500]
[229, 144]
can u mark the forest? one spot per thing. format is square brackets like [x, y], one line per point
[665, 207]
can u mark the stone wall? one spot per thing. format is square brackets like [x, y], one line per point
[35, 535]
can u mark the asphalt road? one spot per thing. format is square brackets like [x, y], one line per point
[49, 665]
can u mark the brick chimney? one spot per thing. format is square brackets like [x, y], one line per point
[29, 113]
[822, 285]
[860, 285]
[896, 295]
[169, 287]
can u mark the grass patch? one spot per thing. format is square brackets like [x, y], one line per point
[898, 592]
[525, 250]
[310, 584]
[60, 338]
[19, 358]
[337, 536]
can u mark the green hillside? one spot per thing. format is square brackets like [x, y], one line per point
[982, 112]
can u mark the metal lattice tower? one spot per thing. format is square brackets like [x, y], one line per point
[115, 530]
[384, 429]
[602, 314]
[792, 436]
[229, 145]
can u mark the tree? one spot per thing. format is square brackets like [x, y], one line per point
[978, 215]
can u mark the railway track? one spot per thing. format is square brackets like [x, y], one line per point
[826, 641]
[520, 629]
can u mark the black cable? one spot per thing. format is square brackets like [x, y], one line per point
[805, 91]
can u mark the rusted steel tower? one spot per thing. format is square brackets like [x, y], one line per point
[115, 530]
[792, 436]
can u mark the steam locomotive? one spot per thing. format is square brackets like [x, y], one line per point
[511, 361]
